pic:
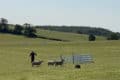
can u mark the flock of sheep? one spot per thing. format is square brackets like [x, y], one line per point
[53, 63]
[50, 63]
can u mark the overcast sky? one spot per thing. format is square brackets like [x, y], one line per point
[96, 13]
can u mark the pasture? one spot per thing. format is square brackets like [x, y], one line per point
[15, 61]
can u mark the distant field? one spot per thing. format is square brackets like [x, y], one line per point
[15, 61]
[65, 36]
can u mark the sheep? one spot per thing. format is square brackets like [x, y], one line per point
[59, 62]
[37, 63]
[51, 62]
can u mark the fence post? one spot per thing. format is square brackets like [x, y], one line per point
[61, 57]
[73, 58]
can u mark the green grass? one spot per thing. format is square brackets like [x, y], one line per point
[65, 36]
[15, 61]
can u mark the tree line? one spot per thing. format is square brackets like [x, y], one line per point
[27, 29]
[30, 31]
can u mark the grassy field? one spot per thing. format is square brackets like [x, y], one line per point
[15, 61]
[65, 36]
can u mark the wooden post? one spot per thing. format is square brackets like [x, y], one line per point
[61, 57]
[73, 58]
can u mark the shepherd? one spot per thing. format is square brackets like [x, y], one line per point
[32, 55]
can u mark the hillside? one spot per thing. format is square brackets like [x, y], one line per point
[47, 32]
[52, 34]
[65, 35]
[80, 30]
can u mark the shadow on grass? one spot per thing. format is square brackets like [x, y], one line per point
[53, 39]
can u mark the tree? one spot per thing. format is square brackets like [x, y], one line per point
[26, 25]
[4, 25]
[113, 36]
[92, 37]
[29, 31]
[18, 29]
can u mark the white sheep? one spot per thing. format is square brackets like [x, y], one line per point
[51, 62]
[37, 63]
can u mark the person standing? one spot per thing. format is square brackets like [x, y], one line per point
[32, 55]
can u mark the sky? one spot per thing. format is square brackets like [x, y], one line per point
[95, 13]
